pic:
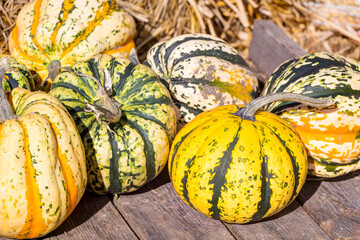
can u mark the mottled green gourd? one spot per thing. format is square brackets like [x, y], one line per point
[202, 72]
[331, 135]
[16, 74]
[125, 117]
[238, 164]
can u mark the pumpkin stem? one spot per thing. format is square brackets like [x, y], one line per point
[108, 110]
[248, 112]
[6, 112]
[54, 69]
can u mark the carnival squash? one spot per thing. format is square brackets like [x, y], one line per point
[16, 74]
[42, 164]
[202, 72]
[237, 164]
[54, 33]
[331, 135]
[125, 117]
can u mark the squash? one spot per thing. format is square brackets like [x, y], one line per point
[42, 164]
[125, 117]
[54, 33]
[16, 74]
[237, 164]
[202, 72]
[331, 135]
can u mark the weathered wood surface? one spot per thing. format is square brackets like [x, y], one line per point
[323, 210]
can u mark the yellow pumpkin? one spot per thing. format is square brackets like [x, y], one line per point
[53, 33]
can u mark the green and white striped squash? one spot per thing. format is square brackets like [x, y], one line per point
[16, 74]
[53, 33]
[125, 153]
[331, 135]
[202, 72]
[235, 166]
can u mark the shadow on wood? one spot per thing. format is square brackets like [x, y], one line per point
[88, 206]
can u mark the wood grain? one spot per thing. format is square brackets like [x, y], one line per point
[95, 217]
[270, 46]
[291, 223]
[156, 212]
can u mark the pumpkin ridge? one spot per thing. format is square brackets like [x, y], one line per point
[34, 224]
[66, 8]
[185, 192]
[123, 76]
[68, 85]
[34, 26]
[231, 58]
[219, 178]
[295, 169]
[105, 9]
[15, 39]
[137, 89]
[114, 174]
[152, 119]
[175, 44]
[148, 150]
[263, 205]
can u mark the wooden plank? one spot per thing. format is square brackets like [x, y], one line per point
[291, 223]
[156, 212]
[270, 46]
[333, 204]
[95, 217]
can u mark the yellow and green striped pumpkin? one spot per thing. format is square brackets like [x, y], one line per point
[331, 135]
[42, 164]
[123, 151]
[16, 74]
[52, 33]
[202, 72]
[235, 166]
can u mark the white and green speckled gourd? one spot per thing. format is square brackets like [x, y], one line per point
[202, 72]
[331, 135]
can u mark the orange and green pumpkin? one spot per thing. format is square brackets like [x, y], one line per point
[42, 164]
[202, 72]
[237, 164]
[16, 74]
[331, 135]
[125, 117]
[54, 33]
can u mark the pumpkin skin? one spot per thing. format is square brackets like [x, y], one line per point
[42, 166]
[331, 135]
[17, 75]
[124, 155]
[234, 169]
[202, 72]
[52, 33]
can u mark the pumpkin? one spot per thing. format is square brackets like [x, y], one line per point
[125, 117]
[16, 74]
[202, 72]
[42, 164]
[54, 33]
[237, 164]
[331, 135]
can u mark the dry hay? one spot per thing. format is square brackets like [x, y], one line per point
[317, 25]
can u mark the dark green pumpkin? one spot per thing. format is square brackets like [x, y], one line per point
[125, 153]
[16, 74]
